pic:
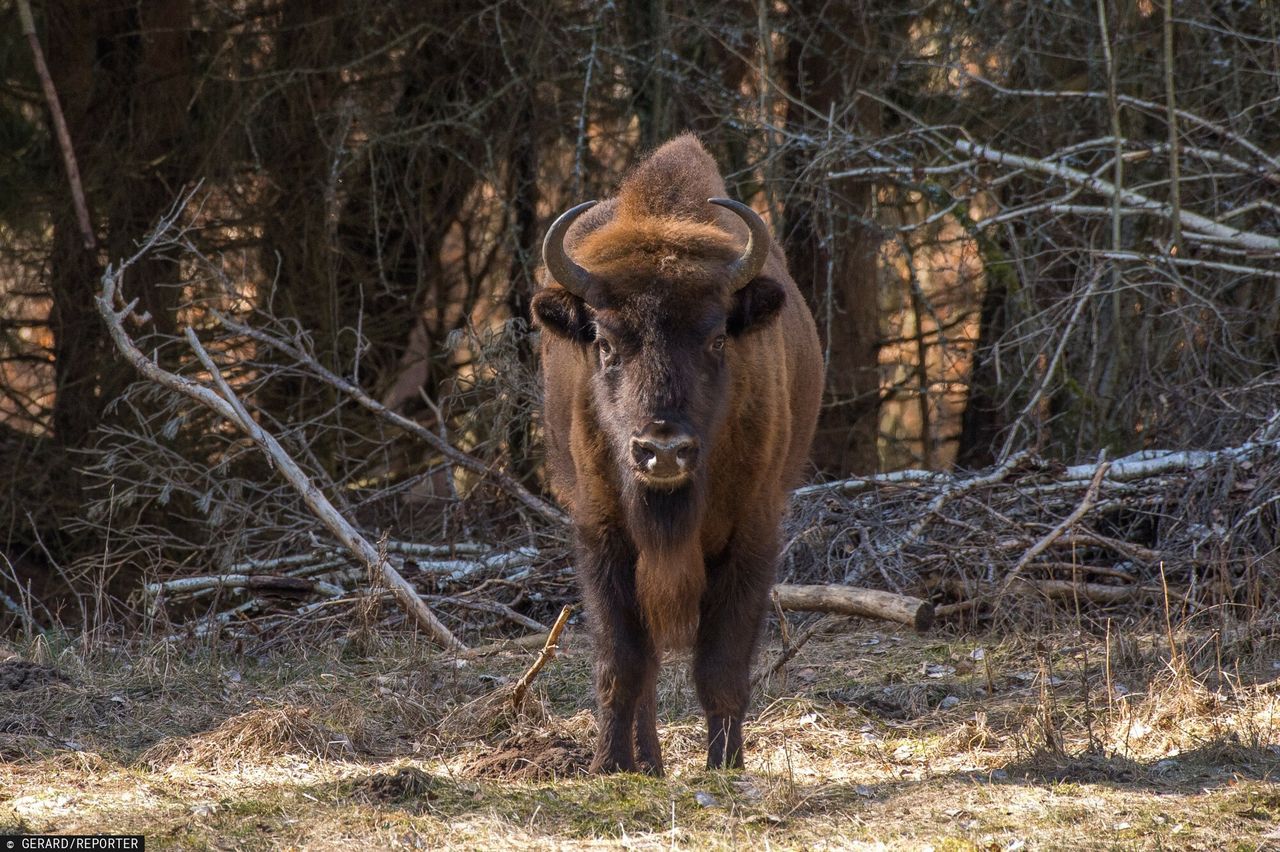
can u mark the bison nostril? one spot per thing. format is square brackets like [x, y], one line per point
[686, 452]
[642, 452]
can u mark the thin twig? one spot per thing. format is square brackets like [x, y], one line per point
[1191, 118]
[24, 613]
[1175, 166]
[548, 651]
[957, 489]
[1051, 367]
[791, 650]
[533, 640]
[1248, 240]
[493, 607]
[1174, 260]
[458, 457]
[1119, 343]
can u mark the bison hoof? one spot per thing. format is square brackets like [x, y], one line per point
[611, 766]
[734, 761]
[653, 770]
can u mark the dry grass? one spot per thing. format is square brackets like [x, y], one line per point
[869, 739]
[250, 738]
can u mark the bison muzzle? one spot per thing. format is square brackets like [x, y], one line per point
[682, 373]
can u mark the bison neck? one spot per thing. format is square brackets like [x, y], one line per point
[670, 571]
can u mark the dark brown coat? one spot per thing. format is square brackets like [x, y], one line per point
[660, 345]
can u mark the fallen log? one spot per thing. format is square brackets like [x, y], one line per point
[850, 600]
[1092, 592]
[245, 581]
[1133, 467]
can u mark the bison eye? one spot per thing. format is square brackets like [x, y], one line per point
[608, 357]
[717, 345]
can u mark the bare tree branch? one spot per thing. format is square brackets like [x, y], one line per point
[458, 457]
[1247, 240]
[228, 405]
[548, 651]
[1086, 505]
[243, 581]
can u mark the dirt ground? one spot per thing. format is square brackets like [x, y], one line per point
[869, 739]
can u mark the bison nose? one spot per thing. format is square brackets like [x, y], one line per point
[665, 455]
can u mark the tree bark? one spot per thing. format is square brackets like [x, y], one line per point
[123, 74]
[830, 244]
[79, 340]
[984, 417]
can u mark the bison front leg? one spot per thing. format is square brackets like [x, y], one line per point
[626, 662]
[732, 615]
[648, 749]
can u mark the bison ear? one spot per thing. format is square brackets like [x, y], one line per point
[563, 314]
[755, 305]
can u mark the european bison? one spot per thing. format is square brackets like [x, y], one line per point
[682, 373]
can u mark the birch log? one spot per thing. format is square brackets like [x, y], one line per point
[849, 600]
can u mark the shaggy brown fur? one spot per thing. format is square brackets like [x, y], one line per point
[661, 338]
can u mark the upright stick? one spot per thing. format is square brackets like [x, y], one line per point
[59, 126]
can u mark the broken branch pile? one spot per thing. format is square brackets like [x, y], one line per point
[1195, 528]
[471, 585]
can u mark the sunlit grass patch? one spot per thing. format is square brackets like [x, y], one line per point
[1046, 743]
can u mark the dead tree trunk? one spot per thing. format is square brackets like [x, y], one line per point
[831, 246]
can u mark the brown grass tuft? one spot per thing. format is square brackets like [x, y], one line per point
[528, 742]
[406, 784]
[16, 675]
[259, 734]
[24, 747]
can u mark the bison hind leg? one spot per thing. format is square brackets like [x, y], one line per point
[724, 742]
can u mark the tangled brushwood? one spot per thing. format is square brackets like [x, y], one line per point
[1192, 534]
[1187, 533]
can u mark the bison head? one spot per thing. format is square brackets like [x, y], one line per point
[657, 307]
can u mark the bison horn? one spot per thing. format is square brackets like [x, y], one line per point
[748, 266]
[568, 274]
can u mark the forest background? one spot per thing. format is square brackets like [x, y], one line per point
[1026, 230]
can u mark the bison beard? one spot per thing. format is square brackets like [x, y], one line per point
[670, 576]
[669, 322]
